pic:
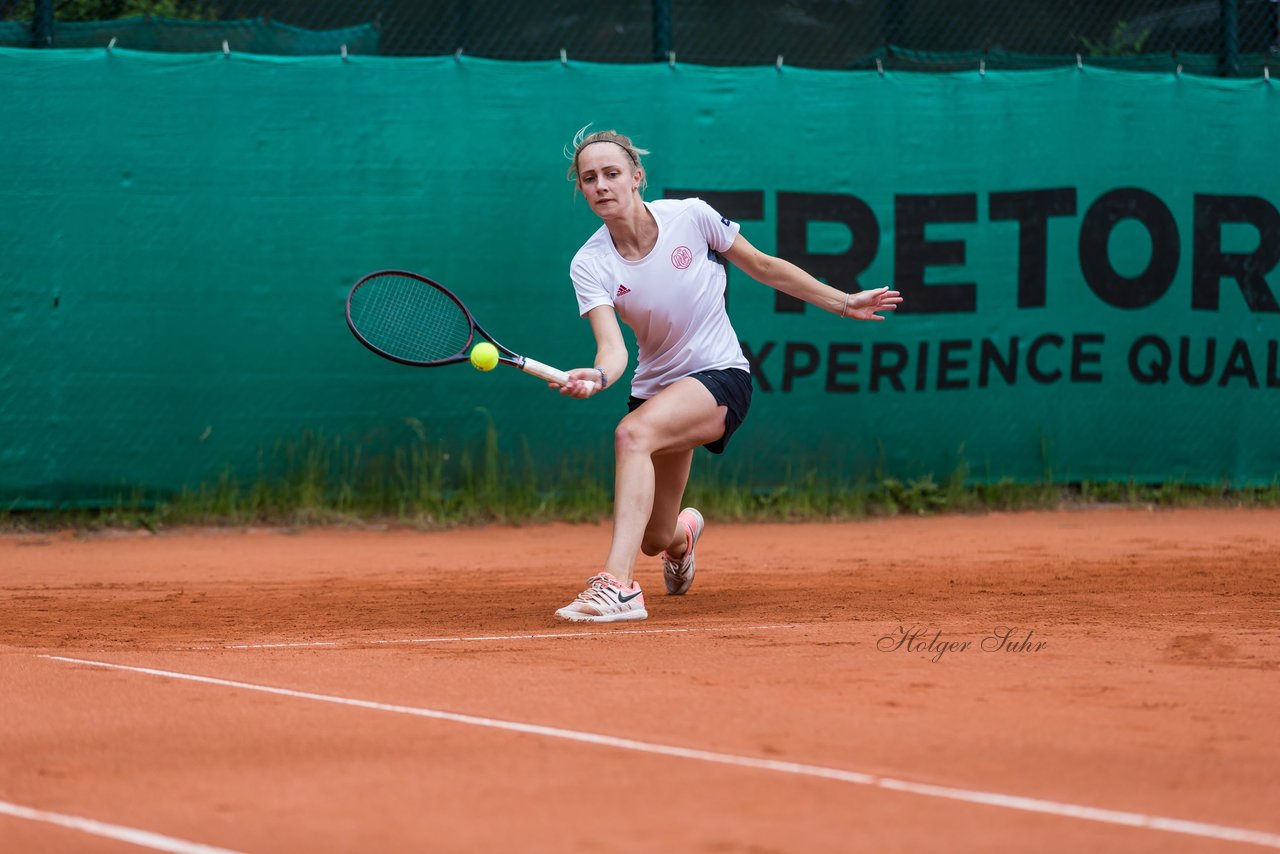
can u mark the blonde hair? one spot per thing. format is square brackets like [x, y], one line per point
[582, 139]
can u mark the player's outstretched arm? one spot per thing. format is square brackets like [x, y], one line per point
[791, 280]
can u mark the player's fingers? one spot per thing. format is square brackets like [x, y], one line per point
[579, 388]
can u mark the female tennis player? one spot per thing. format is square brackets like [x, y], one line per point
[656, 266]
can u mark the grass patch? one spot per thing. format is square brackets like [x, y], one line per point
[323, 480]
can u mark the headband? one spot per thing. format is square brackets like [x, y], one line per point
[605, 139]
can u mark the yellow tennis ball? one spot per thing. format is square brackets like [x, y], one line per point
[484, 356]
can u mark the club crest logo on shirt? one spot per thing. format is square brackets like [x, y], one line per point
[681, 257]
[623, 290]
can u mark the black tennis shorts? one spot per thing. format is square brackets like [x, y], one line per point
[731, 388]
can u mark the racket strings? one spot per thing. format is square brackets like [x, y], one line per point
[409, 319]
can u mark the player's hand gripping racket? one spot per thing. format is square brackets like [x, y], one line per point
[412, 320]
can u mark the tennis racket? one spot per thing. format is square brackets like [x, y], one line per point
[415, 321]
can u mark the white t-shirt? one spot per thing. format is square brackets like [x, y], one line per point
[673, 298]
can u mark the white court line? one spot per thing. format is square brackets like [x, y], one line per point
[973, 796]
[464, 638]
[142, 838]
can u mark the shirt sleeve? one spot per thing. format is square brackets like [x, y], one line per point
[719, 231]
[591, 293]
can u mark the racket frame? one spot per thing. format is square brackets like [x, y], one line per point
[505, 356]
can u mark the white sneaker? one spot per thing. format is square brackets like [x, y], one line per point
[606, 600]
[678, 573]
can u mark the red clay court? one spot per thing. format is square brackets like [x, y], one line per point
[1091, 680]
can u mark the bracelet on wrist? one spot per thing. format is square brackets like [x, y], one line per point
[604, 379]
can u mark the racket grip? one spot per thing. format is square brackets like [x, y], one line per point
[548, 373]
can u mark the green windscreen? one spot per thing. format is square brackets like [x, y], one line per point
[1089, 261]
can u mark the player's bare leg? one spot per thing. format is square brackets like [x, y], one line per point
[664, 533]
[654, 447]
[674, 422]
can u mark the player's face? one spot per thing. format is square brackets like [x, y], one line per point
[607, 179]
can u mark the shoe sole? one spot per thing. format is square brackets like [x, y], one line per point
[702, 524]
[575, 617]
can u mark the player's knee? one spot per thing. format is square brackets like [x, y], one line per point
[632, 437]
